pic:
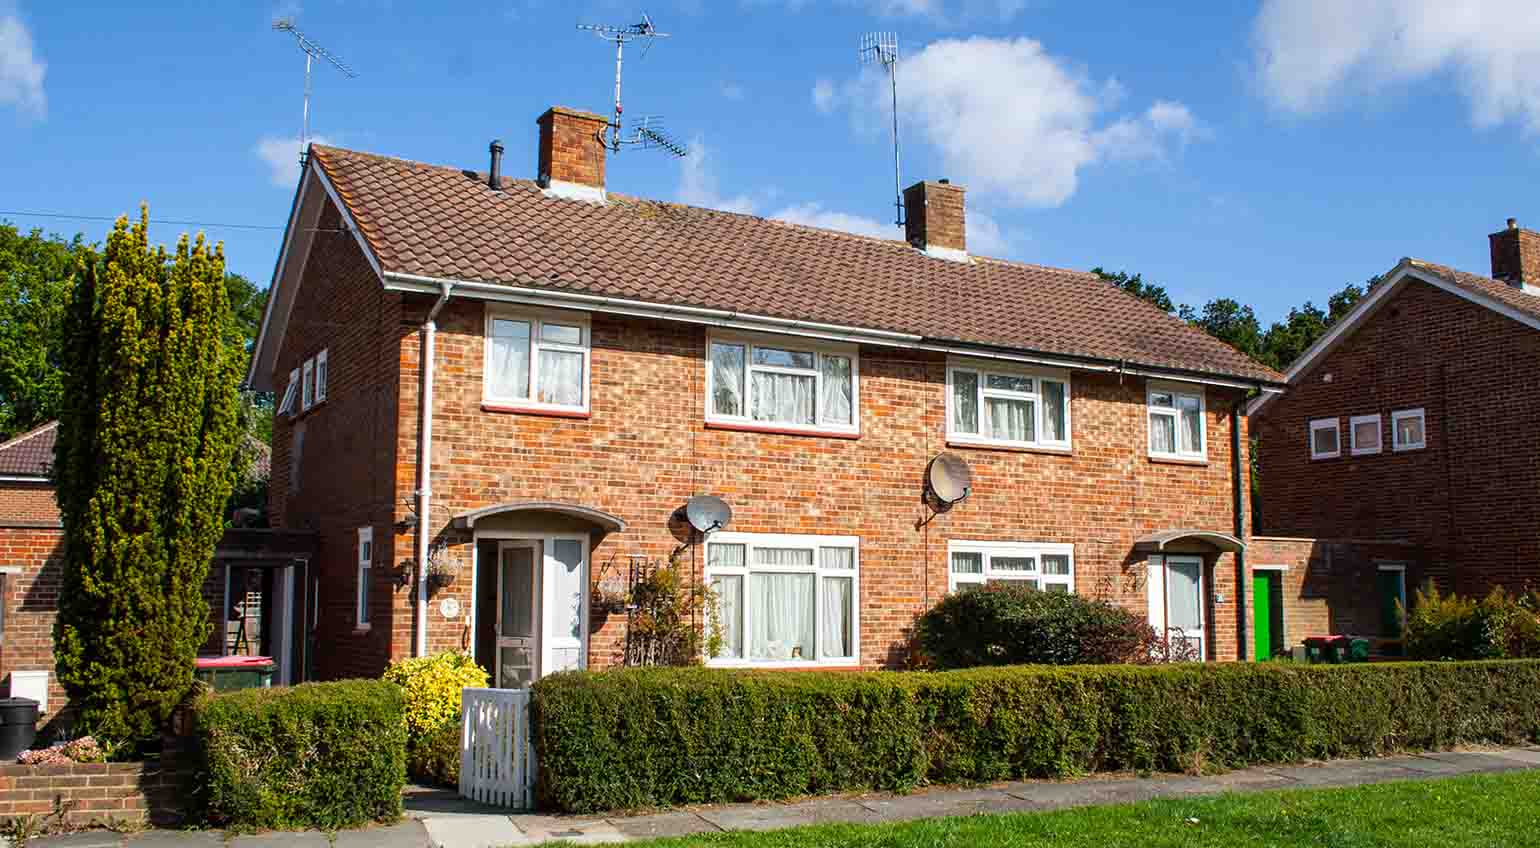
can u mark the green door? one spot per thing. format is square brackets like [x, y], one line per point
[1391, 587]
[1262, 613]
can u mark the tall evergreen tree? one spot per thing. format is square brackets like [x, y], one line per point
[143, 466]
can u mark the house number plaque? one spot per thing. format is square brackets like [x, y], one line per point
[449, 608]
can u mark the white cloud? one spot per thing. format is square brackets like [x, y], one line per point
[731, 90]
[1313, 54]
[824, 96]
[21, 71]
[698, 183]
[282, 157]
[1010, 120]
[941, 11]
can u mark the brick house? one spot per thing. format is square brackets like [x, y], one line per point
[497, 393]
[1379, 466]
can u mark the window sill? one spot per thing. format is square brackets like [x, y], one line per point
[1325, 457]
[995, 446]
[1409, 448]
[1367, 453]
[1178, 460]
[781, 431]
[536, 410]
[787, 665]
[360, 629]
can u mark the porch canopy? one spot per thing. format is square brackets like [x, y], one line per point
[1157, 542]
[600, 519]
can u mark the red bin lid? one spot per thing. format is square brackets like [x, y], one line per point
[237, 661]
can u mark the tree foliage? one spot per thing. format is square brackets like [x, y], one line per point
[143, 467]
[37, 273]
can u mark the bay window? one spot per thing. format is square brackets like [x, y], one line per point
[1049, 567]
[1176, 415]
[784, 383]
[784, 600]
[537, 361]
[989, 404]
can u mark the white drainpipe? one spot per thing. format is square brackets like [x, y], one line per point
[425, 470]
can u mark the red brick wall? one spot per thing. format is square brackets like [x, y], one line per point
[93, 793]
[570, 147]
[28, 503]
[31, 601]
[1329, 585]
[1477, 375]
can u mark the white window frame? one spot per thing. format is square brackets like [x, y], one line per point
[290, 394]
[536, 320]
[1333, 424]
[820, 349]
[364, 571]
[1175, 413]
[1040, 410]
[307, 393]
[750, 541]
[322, 370]
[1397, 417]
[1379, 428]
[990, 574]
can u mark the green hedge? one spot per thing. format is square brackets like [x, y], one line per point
[661, 737]
[319, 755]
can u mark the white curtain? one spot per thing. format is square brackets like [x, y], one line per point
[724, 555]
[1009, 419]
[1055, 564]
[729, 589]
[1184, 607]
[1192, 423]
[838, 388]
[781, 607]
[1053, 411]
[965, 401]
[835, 631]
[784, 556]
[509, 362]
[841, 558]
[787, 398]
[967, 562]
[727, 379]
[561, 377]
[1162, 433]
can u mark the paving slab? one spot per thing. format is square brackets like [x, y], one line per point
[285, 839]
[937, 803]
[1527, 756]
[467, 831]
[657, 825]
[756, 817]
[1472, 762]
[176, 839]
[88, 839]
[408, 834]
[578, 831]
[1351, 773]
[844, 810]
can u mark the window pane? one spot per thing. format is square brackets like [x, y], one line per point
[727, 379]
[561, 334]
[802, 557]
[965, 401]
[363, 594]
[1058, 588]
[565, 616]
[725, 556]
[729, 612]
[561, 377]
[1409, 430]
[1162, 399]
[1162, 433]
[1010, 419]
[1055, 564]
[781, 609]
[1054, 408]
[518, 588]
[835, 617]
[1325, 440]
[508, 365]
[1013, 563]
[1192, 423]
[838, 389]
[1366, 435]
[1016, 581]
[841, 558]
[1184, 606]
[967, 562]
[786, 398]
[783, 358]
[1009, 383]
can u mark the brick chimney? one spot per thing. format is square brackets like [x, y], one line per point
[933, 219]
[572, 153]
[1516, 256]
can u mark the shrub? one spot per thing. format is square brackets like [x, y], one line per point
[658, 737]
[1449, 627]
[431, 688]
[1010, 624]
[318, 755]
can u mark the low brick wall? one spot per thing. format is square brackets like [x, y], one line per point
[93, 791]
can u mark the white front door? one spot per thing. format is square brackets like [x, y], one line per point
[518, 615]
[542, 608]
[1176, 592]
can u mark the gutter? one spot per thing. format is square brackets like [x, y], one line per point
[1239, 505]
[425, 466]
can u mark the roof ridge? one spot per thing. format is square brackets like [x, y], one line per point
[36, 431]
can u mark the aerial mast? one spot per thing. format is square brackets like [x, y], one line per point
[649, 132]
[312, 51]
[881, 48]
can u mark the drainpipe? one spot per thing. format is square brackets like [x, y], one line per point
[425, 469]
[1236, 480]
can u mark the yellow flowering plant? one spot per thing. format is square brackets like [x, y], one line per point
[431, 687]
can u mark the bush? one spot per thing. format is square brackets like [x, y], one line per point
[431, 687]
[660, 737]
[319, 755]
[1011, 624]
[1448, 627]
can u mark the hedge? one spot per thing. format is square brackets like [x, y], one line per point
[320, 755]
[662, 737]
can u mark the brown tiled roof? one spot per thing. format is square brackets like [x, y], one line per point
[1504, 293]
[443, 222]
[29, 454]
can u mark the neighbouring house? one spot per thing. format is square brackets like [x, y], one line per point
[497, 393]
[1397, 456]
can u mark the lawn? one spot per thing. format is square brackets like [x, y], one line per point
[1483, 810]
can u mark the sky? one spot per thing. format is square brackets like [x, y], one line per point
[1270, 152]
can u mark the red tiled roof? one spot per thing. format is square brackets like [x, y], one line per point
[443, 222]
[29, 454]
[1505, 293]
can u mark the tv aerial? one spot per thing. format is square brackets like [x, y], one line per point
[312, 52]
[648, 132]
[881, 48]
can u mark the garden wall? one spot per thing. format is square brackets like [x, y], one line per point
[93, 791]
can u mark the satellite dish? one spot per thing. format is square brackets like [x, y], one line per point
[949, 478]
[707, 513]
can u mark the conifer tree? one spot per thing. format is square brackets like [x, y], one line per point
[142, 463]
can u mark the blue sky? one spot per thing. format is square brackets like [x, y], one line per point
[1270, 152]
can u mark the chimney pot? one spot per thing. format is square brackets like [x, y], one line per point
[571, 153]
[1516, 256]
[934, 219]
[1513, 223]
[495, 170]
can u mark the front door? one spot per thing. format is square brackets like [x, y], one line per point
[1267, 613]
[1184, 602]
[518, 614]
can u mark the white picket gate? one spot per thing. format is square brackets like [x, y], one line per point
[497, 759]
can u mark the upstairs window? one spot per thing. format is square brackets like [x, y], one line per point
[1407, 430]
[993, 405]
[290, 394]
[1177, 415]
[785, 384]
[1364, 430]
[320, 376]
[537, 361]
[1325, 439]
[308, 393]
[1049, 567]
